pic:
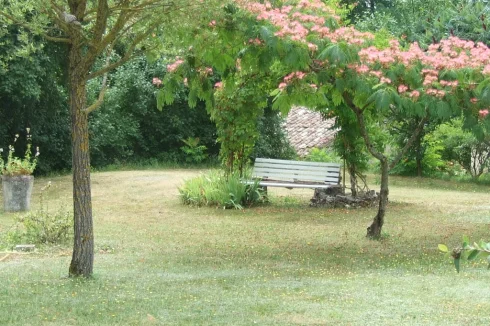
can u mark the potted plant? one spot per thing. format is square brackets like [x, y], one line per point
[17, 179]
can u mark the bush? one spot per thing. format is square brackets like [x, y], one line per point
[195, 153]
[216, 189]
[42, 226]
[322, 155]
[461, 147]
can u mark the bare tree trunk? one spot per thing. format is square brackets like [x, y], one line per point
[374, 230]
[353, 179]
[83, 246]
[419, 155]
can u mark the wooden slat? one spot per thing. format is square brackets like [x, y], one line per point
[296, 167]
[291, 185]
[292, 175]
[289, 178]
[286, 162]
[264, 171]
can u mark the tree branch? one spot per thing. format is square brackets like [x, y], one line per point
[362, 128]
[101, 22]
[127, 56]
[33, 30]
[103, 89]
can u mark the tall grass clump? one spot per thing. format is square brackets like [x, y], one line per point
[219, 190]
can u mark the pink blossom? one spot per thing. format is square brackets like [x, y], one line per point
[474, 100]
[173, 67]
[312, 47]
[156, 81]
[483, 113]
[212, 23]
[282, 86]
[385, 80]
[315, 87]
[362, 69]
[376, 73]
[402, 88]
[414, 94]
[218, 85]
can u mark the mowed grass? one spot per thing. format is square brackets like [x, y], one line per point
[160, 263]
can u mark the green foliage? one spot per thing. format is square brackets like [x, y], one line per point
[195, 153]
[141, 132]
[272, 141]
[460, 146]
[467, 251]
[19, 165]
[425, 21]
[325, 155]
[31, 95]
[218, 190]
[424, 158]
[42, 226]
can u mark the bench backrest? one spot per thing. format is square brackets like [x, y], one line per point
[294, 171]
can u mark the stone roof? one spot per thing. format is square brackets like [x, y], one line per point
[307, 129]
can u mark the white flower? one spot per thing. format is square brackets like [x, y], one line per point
[28, 130]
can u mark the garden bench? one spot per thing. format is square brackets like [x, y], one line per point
[295, 174]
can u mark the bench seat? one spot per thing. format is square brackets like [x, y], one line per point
[295, 174]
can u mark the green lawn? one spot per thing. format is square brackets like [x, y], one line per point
[160, 263]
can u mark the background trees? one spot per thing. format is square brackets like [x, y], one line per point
[91, 31]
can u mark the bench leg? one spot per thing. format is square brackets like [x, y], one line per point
[264, 190]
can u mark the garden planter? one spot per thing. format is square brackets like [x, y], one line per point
[17, 192]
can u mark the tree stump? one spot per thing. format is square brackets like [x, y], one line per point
[335, 199]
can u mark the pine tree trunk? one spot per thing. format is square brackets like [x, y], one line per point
[83, 247]
[374, 230]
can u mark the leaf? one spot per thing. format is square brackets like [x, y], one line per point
[466, 240]
[160, 99]
[456, 264]
[334, 53]
[336, 97]
[443, 248]
[443, 110]
[473, 254]
[275, 92]
[382, 99]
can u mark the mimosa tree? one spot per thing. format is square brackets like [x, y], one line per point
[315, 61]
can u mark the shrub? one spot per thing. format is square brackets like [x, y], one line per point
[42, 226]
[195, 153]
[216, 189]
[322, 155]
[462, 147]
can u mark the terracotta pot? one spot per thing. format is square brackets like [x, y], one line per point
[17, 192]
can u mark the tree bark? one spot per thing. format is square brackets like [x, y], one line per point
[353, 179]
[83, 246]
[419, 155]
[374, 230]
